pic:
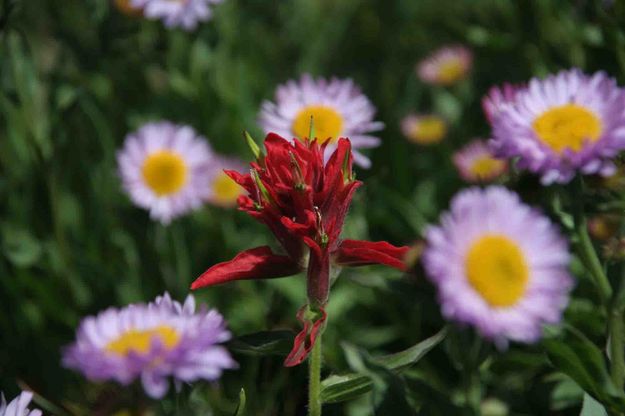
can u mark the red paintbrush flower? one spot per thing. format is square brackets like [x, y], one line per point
[303, 201]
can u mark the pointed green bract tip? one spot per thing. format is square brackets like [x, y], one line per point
[252, 144]
[242, 402]
[264, 193]
[311, 131]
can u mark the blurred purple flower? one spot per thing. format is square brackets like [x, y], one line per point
[567, 122]
[476, 163]
[424, 129]
[153, 342]
[499, 265]
[185, 14]
[446, 66]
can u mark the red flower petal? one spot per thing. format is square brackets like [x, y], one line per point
[256, 263]
[305, 340]
[363, 253]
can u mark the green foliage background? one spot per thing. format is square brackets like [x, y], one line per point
[76, 76]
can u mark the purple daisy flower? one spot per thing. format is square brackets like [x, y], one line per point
[424, 129]
[499, 265]
[337, 107]
[185, 14]
[18, 406]
[153, 342]
[446, 66]
[476, 163]
[567, 122]
[164, 169]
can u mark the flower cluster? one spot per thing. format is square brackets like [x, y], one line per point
[303, 201]
[152, 342]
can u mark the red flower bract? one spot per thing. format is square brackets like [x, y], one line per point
[304, 202]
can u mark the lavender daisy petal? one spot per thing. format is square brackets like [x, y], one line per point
[18, 406]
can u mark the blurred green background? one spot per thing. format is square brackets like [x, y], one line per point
[76, 76]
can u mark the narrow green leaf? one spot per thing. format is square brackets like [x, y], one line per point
[338, 388]
[389, 390]
[576, 356]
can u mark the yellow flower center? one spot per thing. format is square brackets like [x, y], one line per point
[225, 189]
[450, 71]
[429, 130]
[165, 172]
[140, 341]
[497, 270]
[485, 167]
[327, 123]
[567, 127]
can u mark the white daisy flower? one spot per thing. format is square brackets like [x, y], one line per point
[164, 169]
[336, 107]
[185, 14]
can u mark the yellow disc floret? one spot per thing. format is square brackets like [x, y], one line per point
[327, 123]
[428, 130]
[568, 126]
[140, 341]
[486, 167]
[165, 172]
[497, 270]
[450, 71]
[225, 190]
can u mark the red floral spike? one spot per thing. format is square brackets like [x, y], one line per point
[303, 201]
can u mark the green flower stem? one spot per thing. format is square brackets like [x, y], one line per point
[314, 379]
[181, 258]
[615, 306]
[616, 328]
[591, 261]
[472, 384]
[586, 250]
